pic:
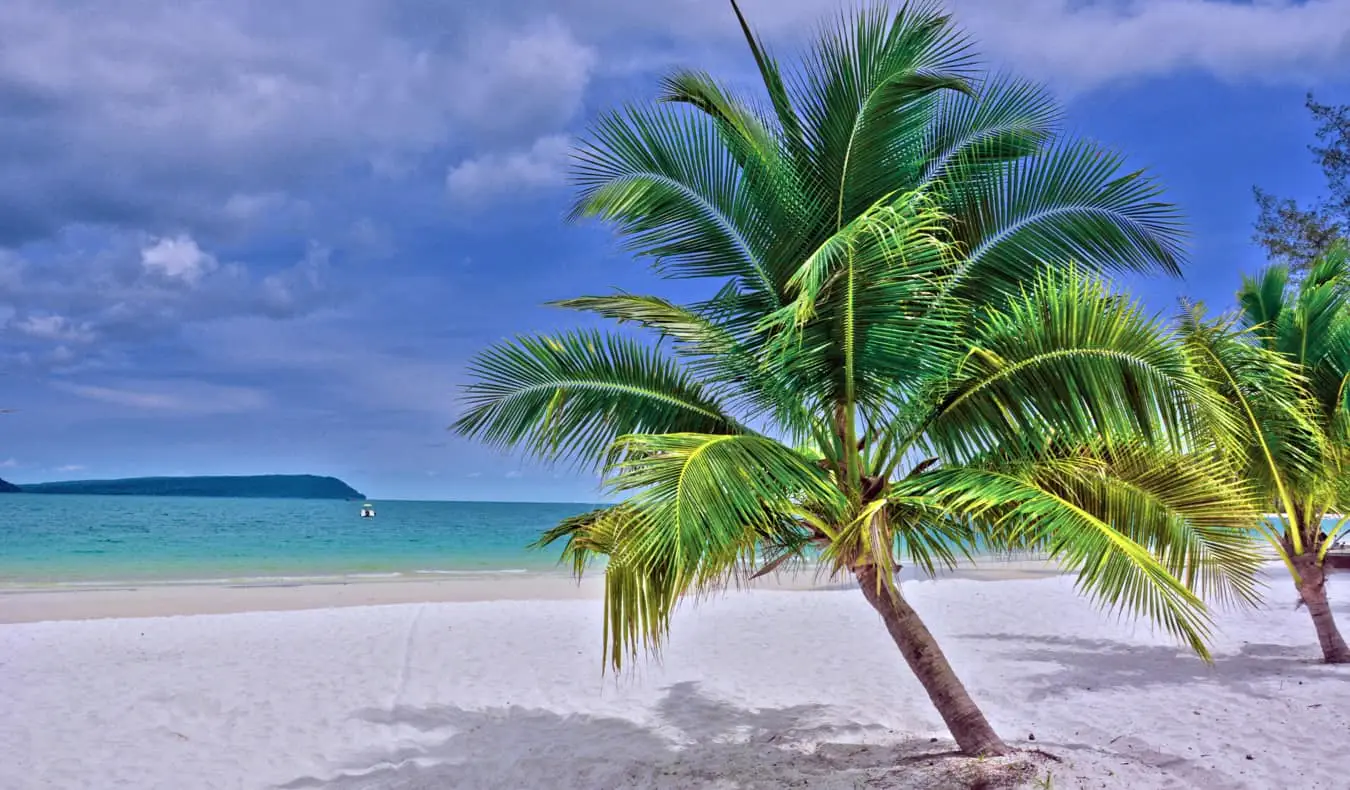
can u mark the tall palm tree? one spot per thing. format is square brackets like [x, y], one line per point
[1284, 364]
[900, 362]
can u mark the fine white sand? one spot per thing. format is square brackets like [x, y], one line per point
[760, 689]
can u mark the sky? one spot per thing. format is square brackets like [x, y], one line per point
[246, 237]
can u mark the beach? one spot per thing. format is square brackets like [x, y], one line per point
[793, 684]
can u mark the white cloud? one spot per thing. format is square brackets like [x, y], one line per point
[513, 474]
[1072, 44]
[9, 463]
[217, 111]
[53, 327]
[1079, 45]
[76, 304]
[194, 398]
[531, 78]
[71, 468]
[495, 176]
[178, 258]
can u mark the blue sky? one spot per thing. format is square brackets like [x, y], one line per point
[249, 237]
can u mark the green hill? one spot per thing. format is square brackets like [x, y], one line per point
[253, 486]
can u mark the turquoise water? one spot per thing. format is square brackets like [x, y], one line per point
[95, 540]
[80, 541]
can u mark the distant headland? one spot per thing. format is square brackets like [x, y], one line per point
[247, 486]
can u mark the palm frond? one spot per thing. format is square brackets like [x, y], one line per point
[775, 86]
[1282, 449]
[587, 536]
[1067, 204]
[1070, 360]
[569, 397]
[666, 179]
[970, 138]
[865, 98]
[709, 492]
[702, 511]
[1128, 528]
[861, 306]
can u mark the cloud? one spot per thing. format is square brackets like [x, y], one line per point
[529, 79]
[496, 176]
[1080, 45]
[513, 474]
[346, 360]
[74, 303]
[9, 463]
[1073, 44]
[176, 397]
[216, 111]
[178, 258]
[53, 327]
[71, 468]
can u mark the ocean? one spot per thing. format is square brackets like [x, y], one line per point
[96, 541]
[78, 541]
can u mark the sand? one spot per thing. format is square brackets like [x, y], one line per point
[768, 688]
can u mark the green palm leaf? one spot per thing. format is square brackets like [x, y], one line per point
[570, 397]
[971, 137]
[1066, 204]
[702, 508]
[1070, 359]
[675, 191]
[1147, 532]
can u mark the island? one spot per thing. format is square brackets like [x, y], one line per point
[243, 486]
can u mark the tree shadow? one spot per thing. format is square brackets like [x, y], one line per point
[694, 741]
[1096, 664]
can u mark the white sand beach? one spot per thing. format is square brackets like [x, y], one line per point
[769, 688]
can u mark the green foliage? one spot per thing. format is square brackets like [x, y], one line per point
[1282, 365]
[1297, 235]
[910, 356]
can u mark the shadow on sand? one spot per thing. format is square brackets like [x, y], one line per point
[694, 742]
[1255, 670]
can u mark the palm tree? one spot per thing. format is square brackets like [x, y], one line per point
[1284, 364]
[899, 361]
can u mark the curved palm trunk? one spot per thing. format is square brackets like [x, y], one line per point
[1312, 588]
[965, 721]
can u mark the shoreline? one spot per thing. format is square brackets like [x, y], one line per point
[156, 598]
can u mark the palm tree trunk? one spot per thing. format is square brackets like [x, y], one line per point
[1312, 588]
[965, 721]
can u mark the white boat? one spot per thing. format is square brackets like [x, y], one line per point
[367, 510]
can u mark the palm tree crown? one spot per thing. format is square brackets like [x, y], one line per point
[910, 351]
[1283, 363]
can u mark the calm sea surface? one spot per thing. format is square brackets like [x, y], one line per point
[71, 540]
[75, 541]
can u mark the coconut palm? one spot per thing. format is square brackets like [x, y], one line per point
[1283, 362]
[898, 362]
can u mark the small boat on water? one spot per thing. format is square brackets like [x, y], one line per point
[1338, 558]
[367, 510]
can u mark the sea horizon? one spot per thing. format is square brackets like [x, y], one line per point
[78, 540]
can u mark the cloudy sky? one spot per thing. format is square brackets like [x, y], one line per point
[240, 236]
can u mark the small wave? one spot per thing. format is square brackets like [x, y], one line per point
[468, 572]
[217, 581]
